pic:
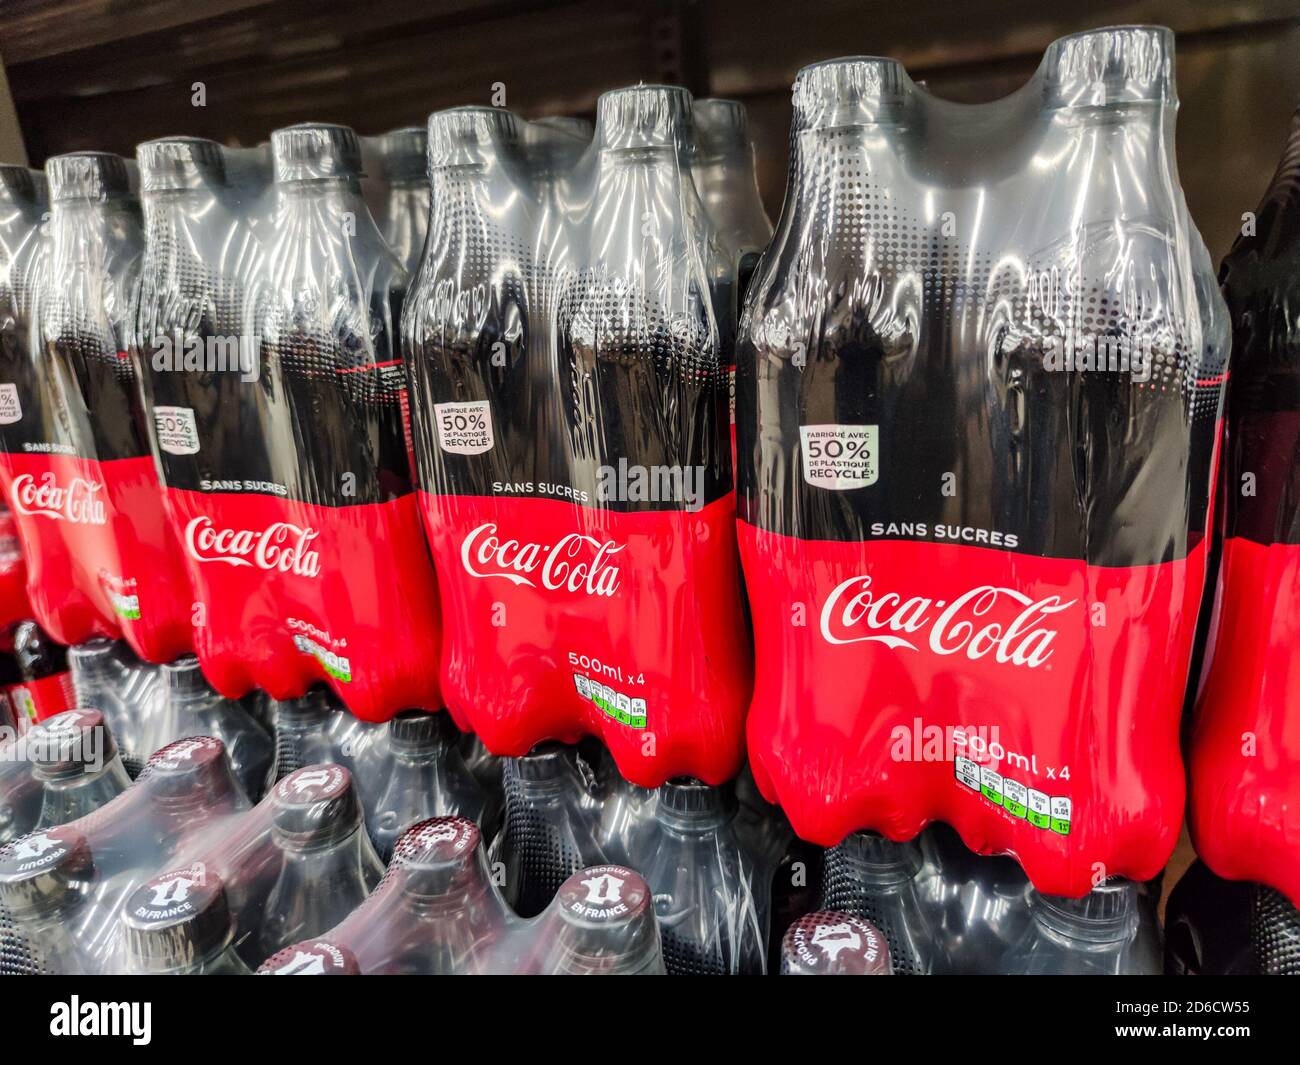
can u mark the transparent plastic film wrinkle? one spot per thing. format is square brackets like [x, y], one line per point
[979, 380]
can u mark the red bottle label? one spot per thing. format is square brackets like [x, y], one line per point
[290, 594]
[101, 558]
[944, 681]
[564, 620]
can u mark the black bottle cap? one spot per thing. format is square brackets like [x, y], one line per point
[313, 957]
[190, 773]
[462, 136]
[687, 799]
[176, 920]
[853, 91]
[438, 858]
[403, 152]
[548, 761]
[93, 659]
[315, 806]
[180, 163]
[873, 853]
[39, 871]
[607, 922]
[72, 744]
[413, 730]
[87, 176]
[315, 150]
[644, 116]
[305, 710]
[834, 944]
[1111, 65]
[184, 679]
[1110, 904]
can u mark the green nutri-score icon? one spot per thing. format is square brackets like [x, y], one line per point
[1050, 813]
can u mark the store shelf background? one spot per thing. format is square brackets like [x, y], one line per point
[110, 73]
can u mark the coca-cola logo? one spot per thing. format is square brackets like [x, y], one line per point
[281, 546]
[1011, 626]
[78, 502]
[575, 563]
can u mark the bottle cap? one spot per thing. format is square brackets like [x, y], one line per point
[42, 869]
[72, 744]
[834, 944]
[192, 773]
[685, 800]
[403, 154]
[464, 136]
[439, 858]
[607, 923]
[855, 91]
[184, 679]
[721, 126]
[87, 176]
[1113, 65]
[414, 730]
[176, 920]
[315, 150]
[315, 806]
[314, 957]
[644, 116]
[16, 183]
[180, 163]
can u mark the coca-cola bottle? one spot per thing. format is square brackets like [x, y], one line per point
[316, 727]
[403, 217]
[437, 912]
[76, 762]
[190, 707]
[424, 776]
[550, 828]
[712, 893]
[1244, 798]
[1107, 932]
[106, 675]
[44, 881]
[834, 944]
[46, 687]
[568, 408]
[303, 548]
[891, 885]
[601, 923]
[977, 397]
[328, 864]
[104, 490]
[179, 924]
[31, 426]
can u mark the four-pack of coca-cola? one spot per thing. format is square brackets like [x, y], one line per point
[424, 490]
